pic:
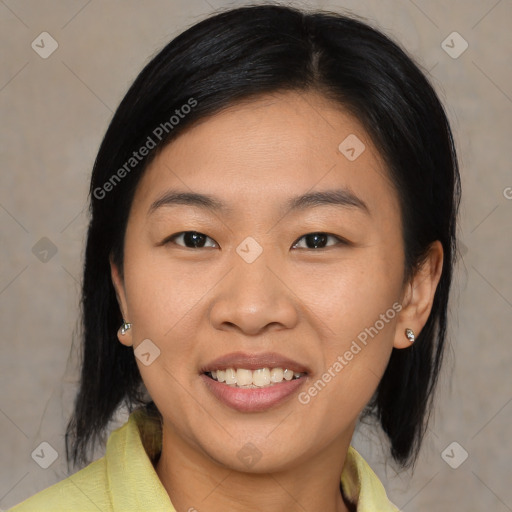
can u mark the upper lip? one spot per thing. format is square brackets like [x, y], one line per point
[254, 362]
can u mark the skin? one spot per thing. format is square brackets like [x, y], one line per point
[306, 303]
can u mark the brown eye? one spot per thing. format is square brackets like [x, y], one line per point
[318, 240]
[191, 239]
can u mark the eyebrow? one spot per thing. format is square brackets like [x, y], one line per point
[337, 197]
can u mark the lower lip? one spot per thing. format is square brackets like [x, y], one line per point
[253, 399]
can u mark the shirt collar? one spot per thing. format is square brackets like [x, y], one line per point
[132, 479]
[362, 486]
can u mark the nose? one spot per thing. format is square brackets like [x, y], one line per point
[254, 297]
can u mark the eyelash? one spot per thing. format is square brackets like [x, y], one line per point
[341, 241]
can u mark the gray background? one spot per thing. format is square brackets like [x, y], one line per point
[54, 113]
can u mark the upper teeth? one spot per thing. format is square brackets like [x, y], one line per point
[258, 378]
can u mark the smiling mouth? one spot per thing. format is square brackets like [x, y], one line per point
[260, 378]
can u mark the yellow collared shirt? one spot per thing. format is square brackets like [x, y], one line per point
[125, 480]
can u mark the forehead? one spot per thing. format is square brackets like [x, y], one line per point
[271, 147]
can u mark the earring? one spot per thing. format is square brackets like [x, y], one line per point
[409, 333]
[124, 328]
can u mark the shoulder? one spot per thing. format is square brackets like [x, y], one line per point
[85, 490]
[124, 479]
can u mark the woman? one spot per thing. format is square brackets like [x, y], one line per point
[269, 257]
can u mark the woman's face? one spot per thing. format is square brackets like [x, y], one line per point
[255, 288]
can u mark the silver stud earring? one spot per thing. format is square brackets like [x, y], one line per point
[409, 333]
[124, 328]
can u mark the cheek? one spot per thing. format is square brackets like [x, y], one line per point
[161, 300]
[161, 294]
[358, 308]
[353, 368]
[351, 296]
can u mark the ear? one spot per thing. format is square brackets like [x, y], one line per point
[419, 295]
[117, 281]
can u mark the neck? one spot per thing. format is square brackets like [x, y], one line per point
[196, 482]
